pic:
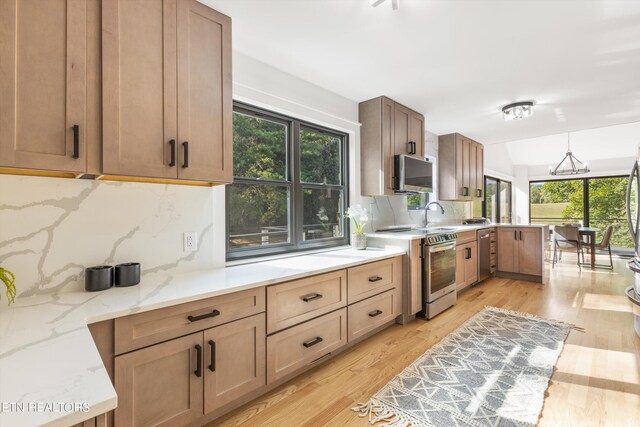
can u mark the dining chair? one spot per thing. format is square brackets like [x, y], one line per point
[566, 238]
[604, 245]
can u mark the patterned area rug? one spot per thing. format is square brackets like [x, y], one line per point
[491, 371]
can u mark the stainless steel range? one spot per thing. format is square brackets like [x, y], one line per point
[438, 273]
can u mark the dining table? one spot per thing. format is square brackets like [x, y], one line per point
[590, 233]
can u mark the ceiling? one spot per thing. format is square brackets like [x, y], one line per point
[459, 61]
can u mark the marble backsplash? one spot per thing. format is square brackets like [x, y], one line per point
[386, 211]
[52, 228]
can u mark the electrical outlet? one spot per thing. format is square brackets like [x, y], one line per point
[190, 241]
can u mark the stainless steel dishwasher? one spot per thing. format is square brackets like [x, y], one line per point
[484, 254]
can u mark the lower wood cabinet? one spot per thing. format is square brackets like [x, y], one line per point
[295, 348]
[178, 381]
[367, 315]
[520, 250]
[234, 362]
[466, 265]
[161, 385]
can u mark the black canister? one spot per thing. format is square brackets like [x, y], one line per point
[98, 278]
[128, 274]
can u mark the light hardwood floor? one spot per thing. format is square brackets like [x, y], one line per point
[597, 378]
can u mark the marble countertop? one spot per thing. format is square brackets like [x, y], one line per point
[419, 234]
[47, 354]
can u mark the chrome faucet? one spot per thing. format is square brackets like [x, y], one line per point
[426, 211]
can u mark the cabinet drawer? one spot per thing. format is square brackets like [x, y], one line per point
[140, 330]
[367, 315]
[302, 345]
[373, 278]
[465, 237]
[294, 302]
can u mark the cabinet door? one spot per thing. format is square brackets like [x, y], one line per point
[460, 267]
[158, 385]
[466, 169]
[234, 360]
[43, 84]
[479, 189]
[530, 251]
[414, 296]
[471, 263]
[507, 250]
[139, 87]
[205, 108]
[401, 116]
[416, 132]
[472, 170]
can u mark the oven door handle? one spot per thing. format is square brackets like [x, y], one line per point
[441, 248]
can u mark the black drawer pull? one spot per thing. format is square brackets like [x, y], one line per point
[212, 365]
[172, 152]
[185, 148]
[198, 370]
[311, 297]
[375, 278]
[375, 313]
[76, 141]
[316, 340]
[465, 191]
[214, 313]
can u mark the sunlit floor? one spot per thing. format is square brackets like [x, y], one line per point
[597, 378]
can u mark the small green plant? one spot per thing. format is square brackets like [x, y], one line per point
[9, 280]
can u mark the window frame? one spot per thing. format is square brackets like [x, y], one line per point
[296, 188]
[498, 201]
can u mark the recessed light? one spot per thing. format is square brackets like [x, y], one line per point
[517, 110]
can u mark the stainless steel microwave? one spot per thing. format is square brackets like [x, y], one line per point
[412, 175]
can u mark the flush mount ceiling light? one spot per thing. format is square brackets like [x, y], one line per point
[569, 165]
[395, 4]
[517, 110]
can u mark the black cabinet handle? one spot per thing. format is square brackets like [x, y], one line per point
[212, 365]
[467, 253]
[465, 191]
[76, 141]
[185, 150]
[311, 297]
[515, 235]
[410, 147]
[172, 152]
[316, 340]
[198, 370]
[375, 278]
[375, 313]
[478, 193]
[521, 235]
[214, 313]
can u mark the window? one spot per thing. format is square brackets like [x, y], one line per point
[496, 205]
[290, 185]
[593, 202]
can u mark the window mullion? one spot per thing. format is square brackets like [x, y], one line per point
[297, 188]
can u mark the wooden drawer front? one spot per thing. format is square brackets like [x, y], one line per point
[294, 302]
[290, 350]
[466, 236]
[140, 330]
[373, 278]
[367, 315]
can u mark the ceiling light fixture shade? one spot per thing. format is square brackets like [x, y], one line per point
[517, 110]
[577, 167]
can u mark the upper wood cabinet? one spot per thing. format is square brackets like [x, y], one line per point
[388, 128]
[460, 168]
[43, 49]
[167, 99]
